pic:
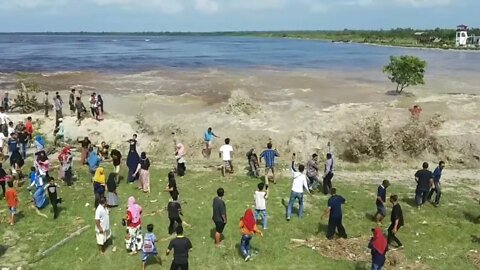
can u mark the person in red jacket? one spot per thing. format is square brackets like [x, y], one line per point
[134, 238]
[248, 228]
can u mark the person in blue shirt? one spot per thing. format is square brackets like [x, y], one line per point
[437, 174]
[269, 156]
[334, 210]
[208, 139]
[381, 201]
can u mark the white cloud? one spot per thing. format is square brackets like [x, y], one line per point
[257, 4]
[206, 6]
[29, 4]
[317, 6]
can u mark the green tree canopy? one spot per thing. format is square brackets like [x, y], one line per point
[405, 71]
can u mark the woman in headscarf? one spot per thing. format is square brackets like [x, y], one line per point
[172, 186]
[143, 174]
[39, 199]
[42, 164]
[133, 239]
[98, 185]
[180, 156]
[99, 108]
[132, 159]
[66, 158]
[93, 161]
[378, 245]
[85, 146]
[112, 197]
[39, 143]
[248, 228]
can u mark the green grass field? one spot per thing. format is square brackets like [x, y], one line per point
[442, 243]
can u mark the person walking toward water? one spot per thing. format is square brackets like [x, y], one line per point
[379, 246]
[424, 179]
[437, 174]
[328, 174]
[381, 201]
[298, 185]
[269, 156]
[143, 173]
[226, 153]
[334, 210]
[208, 139]
[397, 222]
[219, 216]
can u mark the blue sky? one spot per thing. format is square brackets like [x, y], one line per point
[233, 15]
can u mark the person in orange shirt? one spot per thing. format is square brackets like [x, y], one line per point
[29, 128]
[248, 228]
[12, 201]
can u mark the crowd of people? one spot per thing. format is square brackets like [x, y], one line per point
[308, 178]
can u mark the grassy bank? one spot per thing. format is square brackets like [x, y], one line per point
[439, 238]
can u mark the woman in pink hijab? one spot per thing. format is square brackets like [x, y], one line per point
[134, 238]
[180, 153]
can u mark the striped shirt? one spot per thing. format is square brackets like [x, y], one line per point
[269, 156]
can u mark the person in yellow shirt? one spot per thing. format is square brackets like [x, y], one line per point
[248, 228]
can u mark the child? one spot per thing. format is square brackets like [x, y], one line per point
[12, 201]
[52, 195]
[261, 196]
[174, 212]
[248, 228]
[149, 248]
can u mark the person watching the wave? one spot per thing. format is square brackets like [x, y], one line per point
[208, 138]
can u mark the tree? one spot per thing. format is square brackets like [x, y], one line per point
[405, 71]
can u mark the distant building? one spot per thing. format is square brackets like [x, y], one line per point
[461, 36]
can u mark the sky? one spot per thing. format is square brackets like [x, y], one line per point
[232, 15]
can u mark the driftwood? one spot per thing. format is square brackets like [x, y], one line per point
[26, 100]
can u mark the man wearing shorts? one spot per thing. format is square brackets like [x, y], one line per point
[102, 225]
[381, 201]
[208, 139]
[226, 153]
[116, 160]
[269, 156]
[219, 216]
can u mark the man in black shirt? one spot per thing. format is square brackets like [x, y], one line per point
[174, 212]
[116, 160]
[53, 196]
[397, 221]
[181, 245]
[219, 216]
[424, 179]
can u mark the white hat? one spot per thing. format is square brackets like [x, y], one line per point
[60, 119]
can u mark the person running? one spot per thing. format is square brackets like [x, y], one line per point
[71, 101]
[208, 139]
[11, 197]
[261, 196]
[381, 201]
[181, 246]
[312, 172]
[424, 179]
[437, 174]
[334, 210]
[174, 212]
[102, 225]
[379, 246]
[328, 174]
[219, 216]
[226, 154]
[298, 185]
[248, 228]
[397, 222]
[149, 247]
[253, 163]
[269, 156]
[51, 189]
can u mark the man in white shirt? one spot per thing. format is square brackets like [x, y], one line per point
[4, 122]
[226, 153]
[3, 145]
[261, 196]
[299, 184]
[102, 225]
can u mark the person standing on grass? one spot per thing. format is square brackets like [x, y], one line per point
[328, 174]
[298, 185]
[29, 128]
[132, 159]
[208, 139]
[424, 179]
[181, 246]
[23, 141]
[85, 143]
[172, 185]
[397, 221]
[93, 161]
[116, 161]
[71, 102]
[134, 238]
[11, 197]
[269, 156]
[51, 189]
[261, 196]
[143, 173]
[219, 216]
[174, 212]
[378, 245]
[149, 247]
[334, 210]
[99, 185]
[112, 196]
[102, 225]
[248, 228]
[180, 154]
[437, 174]
[312, 172]
[226, 154]
[381, 201]
[66, 159]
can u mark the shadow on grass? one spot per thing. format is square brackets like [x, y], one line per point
[285, 205]
[3, 250]
[153, 259]
[475, 238]
[472, 218]
[409, 201]
[361, 266]
[370, 217]
[19, 216]
[321, 229]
